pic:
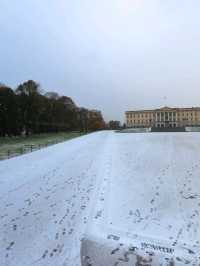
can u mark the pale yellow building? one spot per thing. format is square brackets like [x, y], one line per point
[164, 117]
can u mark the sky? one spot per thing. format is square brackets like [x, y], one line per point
[112, 55]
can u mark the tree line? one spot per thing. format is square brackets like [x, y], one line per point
[27, 110]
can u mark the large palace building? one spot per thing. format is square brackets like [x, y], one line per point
[164, 117]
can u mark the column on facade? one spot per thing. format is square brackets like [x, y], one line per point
[157, 119]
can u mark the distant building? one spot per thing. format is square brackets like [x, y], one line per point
[164, 117]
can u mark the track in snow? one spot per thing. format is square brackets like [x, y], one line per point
[45, 201]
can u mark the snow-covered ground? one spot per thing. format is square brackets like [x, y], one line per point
[45, 199]
[126, 191]
[147, 210]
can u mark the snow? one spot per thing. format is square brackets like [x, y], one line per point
[137, 130]
[148, 206]
[45, 200]
[192, 129]
[133, 198]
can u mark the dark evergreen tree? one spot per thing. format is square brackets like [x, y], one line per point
[9, 120]
[29, 105]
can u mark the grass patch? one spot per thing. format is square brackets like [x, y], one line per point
[13, 146]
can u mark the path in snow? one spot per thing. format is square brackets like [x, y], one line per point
[45, 201]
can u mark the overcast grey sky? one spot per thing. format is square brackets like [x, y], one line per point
[112, 55]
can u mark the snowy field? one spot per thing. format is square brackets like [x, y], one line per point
[45, 199]
[147, 211]
[121, 189]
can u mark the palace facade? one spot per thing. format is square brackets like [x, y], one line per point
[164, 117]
